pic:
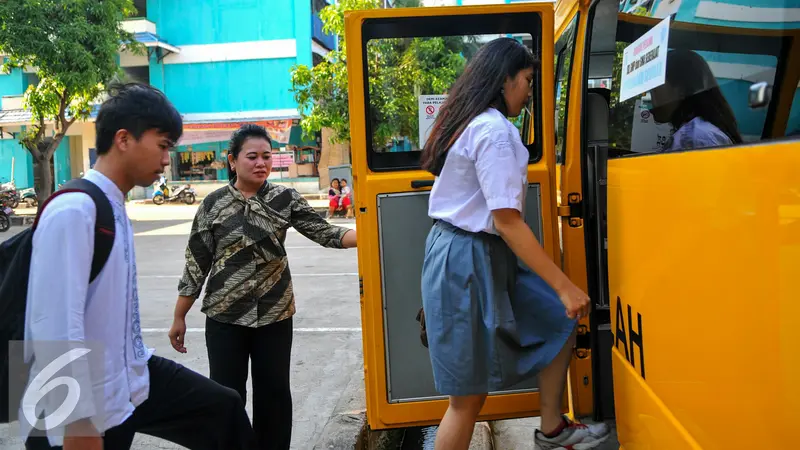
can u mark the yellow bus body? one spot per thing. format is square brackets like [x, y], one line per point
[703, 264]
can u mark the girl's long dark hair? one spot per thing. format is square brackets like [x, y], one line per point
[476, 90]
[689, 72]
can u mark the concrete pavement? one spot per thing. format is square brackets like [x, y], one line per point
[327, 369]
[326, 358]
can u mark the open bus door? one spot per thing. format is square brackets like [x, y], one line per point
[691, 253]
[391, 192]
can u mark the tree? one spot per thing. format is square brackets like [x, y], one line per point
[72, 46]
[399, 70]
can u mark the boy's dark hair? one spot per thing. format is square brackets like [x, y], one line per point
[137, 108]
[245, 132]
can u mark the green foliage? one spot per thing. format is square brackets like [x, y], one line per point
[399, 70]
[72, 45]
[619, 132]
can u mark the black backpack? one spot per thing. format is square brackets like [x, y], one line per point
[15, 261]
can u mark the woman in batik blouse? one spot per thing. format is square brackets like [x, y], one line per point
[237, 246]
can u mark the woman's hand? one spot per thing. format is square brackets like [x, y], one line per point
[575, 301]
[177, 334]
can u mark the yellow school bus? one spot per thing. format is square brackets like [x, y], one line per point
[690, 253]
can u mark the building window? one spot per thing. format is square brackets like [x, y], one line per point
[141, 8]
[197, 165]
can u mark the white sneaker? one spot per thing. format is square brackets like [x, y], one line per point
[575, 436]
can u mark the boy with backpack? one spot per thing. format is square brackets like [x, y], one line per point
[82, 287]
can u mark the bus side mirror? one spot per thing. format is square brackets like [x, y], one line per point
[760, 94]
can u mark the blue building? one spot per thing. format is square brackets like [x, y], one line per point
[221, 63]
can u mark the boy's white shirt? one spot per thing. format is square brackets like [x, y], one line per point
[63, 306]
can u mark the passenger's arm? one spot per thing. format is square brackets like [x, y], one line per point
[500, 178]
[58, 282]
[311, 225]
[519, 237]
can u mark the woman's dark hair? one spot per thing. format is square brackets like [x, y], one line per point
[245, 132]
[476, 90]
[343, 179]
[701, 96]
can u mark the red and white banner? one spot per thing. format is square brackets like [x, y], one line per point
[199, 133]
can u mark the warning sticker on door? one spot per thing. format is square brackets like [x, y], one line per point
[648, 136]
[429, 106]
[644, 63]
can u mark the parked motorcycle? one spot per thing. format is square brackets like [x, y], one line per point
[28, 196]
[5, 215]
[9, 190]
[185, 194]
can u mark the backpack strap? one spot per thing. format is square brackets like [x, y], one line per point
[104, 224]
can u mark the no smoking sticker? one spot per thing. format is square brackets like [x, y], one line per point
[429, 106]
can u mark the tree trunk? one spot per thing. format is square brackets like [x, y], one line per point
[47, 148]
[44, 176]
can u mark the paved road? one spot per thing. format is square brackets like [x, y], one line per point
[327, 341]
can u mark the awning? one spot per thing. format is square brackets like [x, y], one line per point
[24, 117]
[296, 138]
[154, 41]
[198, 133]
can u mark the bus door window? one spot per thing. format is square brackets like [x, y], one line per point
[711, 67]
[406, 94]
[564, 52]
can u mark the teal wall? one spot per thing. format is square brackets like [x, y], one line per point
[302, 26]
[233, 86]
[14, 83]
[23, 163]
[686, 13]
[61, 163]
[156, 72]
[220, 21]
[230, 86]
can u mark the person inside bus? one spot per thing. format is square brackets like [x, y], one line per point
[237, 245]
[692, 102]
[479, 302]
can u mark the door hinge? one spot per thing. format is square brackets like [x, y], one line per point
[583, 342]
[361, 286]
[573, 210]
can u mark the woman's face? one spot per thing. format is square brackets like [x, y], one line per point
[335, 184]
[343, 184]
[517, 91]
[254, 163]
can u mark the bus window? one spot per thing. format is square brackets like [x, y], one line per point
[408, 79]
[793, 127]
[564, 52]
[713, 64]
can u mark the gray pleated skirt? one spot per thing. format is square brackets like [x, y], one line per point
[491, 322]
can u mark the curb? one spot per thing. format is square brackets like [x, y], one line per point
[21, 221]
[482, 437]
